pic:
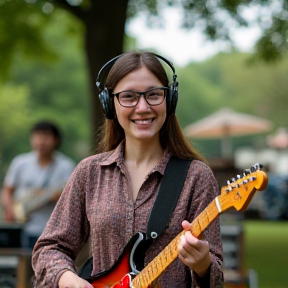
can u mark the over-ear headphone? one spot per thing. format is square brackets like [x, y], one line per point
[106, 98]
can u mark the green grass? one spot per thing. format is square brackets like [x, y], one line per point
[266, 251]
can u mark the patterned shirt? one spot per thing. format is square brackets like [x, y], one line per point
[98, 202]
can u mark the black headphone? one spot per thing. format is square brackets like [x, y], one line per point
[106, 98]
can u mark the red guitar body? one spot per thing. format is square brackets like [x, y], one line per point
[110, 279]
[120, 275]
[117, 277]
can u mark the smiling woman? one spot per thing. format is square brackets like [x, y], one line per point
[121, 182]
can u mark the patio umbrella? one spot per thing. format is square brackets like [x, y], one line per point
[225, 123]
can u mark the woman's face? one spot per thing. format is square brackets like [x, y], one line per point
[142, 122]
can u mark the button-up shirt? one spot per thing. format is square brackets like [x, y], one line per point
[97, 202]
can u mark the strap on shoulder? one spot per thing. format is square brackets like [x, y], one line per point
[170, 189]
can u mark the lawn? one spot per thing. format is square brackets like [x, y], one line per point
[266, 251]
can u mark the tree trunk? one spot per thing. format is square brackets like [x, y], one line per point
[105, 30]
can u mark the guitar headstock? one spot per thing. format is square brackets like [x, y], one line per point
[240, 190]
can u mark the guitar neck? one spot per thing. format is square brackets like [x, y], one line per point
[170, 253]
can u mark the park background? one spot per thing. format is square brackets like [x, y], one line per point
[45, 75]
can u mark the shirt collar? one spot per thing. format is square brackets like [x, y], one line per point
[117, 156]
[114, 156]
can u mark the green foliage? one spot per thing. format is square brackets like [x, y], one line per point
[251, 88]
[266, 251]
[231, 80]
[198, 95]
[14, 111]
[14, 120]
[21, 26]
[273, 44]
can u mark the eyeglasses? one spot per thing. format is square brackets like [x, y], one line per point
[153, 96]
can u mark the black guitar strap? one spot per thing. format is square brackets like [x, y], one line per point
[170, 189]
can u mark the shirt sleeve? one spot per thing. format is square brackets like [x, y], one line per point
[205, 191]
[10, 179]
[64, 235]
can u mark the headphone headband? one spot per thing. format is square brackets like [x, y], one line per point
[104, 71]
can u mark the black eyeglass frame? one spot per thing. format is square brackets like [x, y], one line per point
[165, 89]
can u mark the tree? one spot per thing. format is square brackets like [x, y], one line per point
[14, 117]
[104, 27]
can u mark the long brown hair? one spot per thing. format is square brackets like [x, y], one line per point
[111, 133]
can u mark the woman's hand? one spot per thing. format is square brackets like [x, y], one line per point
[70, 280]
[194, 252]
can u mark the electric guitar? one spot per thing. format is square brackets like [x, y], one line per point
[125, 274]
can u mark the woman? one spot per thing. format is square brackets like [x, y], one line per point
[110, 195]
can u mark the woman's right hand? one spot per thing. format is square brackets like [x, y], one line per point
[70, 280]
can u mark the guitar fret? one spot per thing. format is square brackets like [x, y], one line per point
[196, 228]
[209, 214]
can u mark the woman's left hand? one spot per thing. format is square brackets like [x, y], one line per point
[194, 252]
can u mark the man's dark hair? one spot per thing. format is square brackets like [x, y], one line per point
[47, 126]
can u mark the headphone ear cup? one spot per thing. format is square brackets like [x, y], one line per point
[107, 103]
[172, 98]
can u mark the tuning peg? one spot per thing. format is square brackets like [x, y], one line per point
[256, 167]
[253, 178]
[260, 166]
[229, 189]
[246, 172]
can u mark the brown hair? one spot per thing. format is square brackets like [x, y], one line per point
[111, 134]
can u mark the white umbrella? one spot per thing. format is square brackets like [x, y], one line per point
[224, 124]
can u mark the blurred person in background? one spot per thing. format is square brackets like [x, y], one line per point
[34, 182]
